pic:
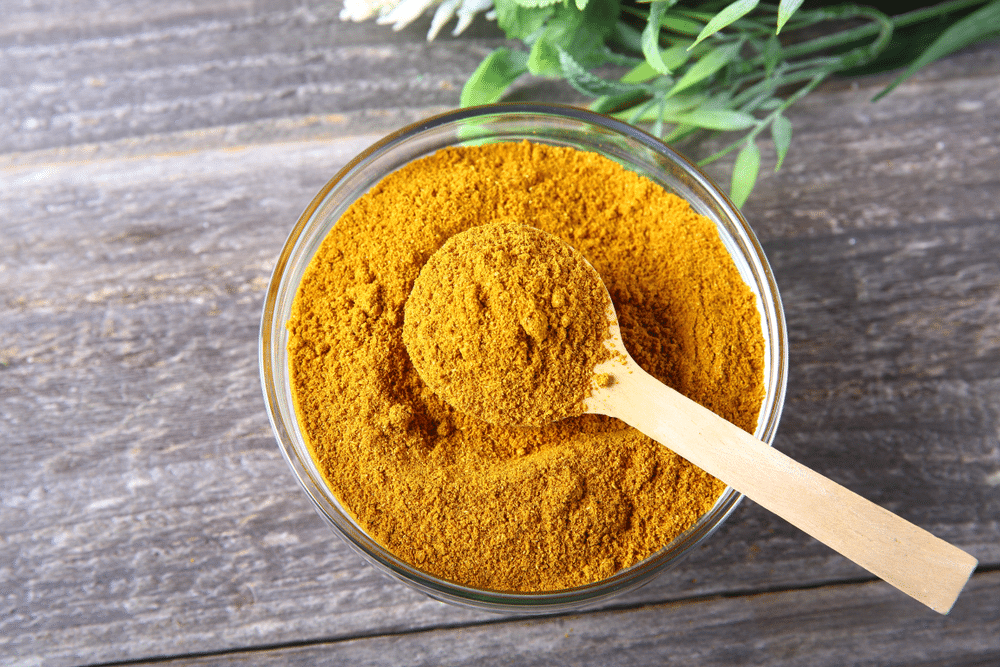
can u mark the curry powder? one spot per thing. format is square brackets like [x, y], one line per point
[507, 323]
[507, 508]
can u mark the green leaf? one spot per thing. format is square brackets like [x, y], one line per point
[613, 103]
[662, 61]
[543, 60]
[581, 34]
[641, 72]
[658, 122]
[785, 10]
[669, 109]
[633, 114]
[682, 24]
[589, 30]
[732, 13]
[520, 22]
[704, 17]
[589, 84]
[676, 55]
[679, 133]
[673, 58]
[972, 28]
[745, 173]
[772, 55]
[651, 38]
[493, 76]
[620, 59]
[781, 132]
[708, 65]
[716, 119]
[626, 37]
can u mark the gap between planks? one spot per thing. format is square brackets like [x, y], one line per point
[888, 594]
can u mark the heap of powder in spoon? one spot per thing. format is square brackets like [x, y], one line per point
[506, 323]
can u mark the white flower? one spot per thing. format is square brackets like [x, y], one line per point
[362, 10]
[400, 13]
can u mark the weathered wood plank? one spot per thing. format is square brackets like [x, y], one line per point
[862, 624]
[98, 76]
[929, 152]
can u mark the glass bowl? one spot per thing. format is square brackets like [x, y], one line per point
[556, 125]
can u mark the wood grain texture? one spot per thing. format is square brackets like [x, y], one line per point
[841, 625]
[144, 507]
[927, 153]
[94, 73]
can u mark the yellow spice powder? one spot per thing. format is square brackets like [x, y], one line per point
[506, 323]
[499, 507]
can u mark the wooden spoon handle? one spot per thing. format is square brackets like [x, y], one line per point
[904, 555]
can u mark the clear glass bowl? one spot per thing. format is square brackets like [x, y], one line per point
[561, 126]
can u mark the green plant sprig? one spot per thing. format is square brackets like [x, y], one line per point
[715, 67]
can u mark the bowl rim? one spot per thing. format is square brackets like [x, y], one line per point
[502, 601]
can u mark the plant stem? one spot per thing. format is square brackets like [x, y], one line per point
[764, 122]
[869, 29]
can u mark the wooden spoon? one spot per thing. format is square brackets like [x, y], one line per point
[916, 562]
[908, 557]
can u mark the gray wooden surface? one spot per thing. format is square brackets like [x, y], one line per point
[153, 157]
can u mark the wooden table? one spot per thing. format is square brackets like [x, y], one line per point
[154, 157]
